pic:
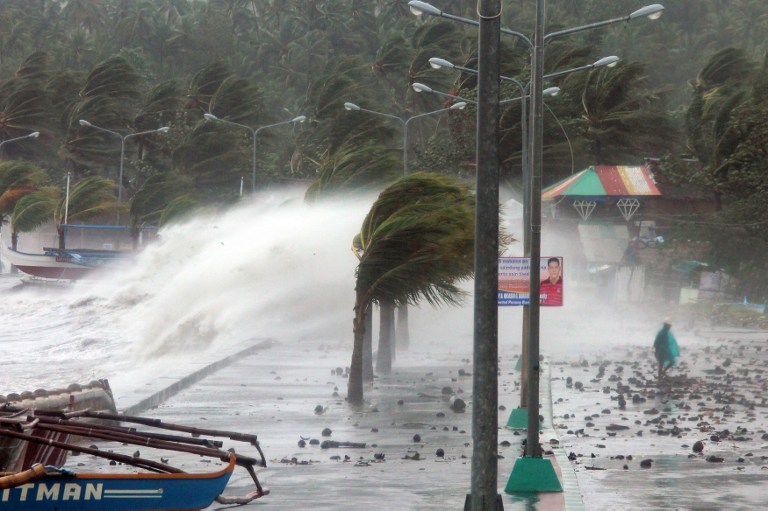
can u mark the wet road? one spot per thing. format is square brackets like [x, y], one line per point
[292, 392]
[717, 396]
[288, 393]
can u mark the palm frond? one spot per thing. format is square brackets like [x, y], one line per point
[35, 209]
[416, 241]
[93, 196]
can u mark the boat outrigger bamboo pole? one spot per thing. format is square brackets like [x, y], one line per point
[150, 465]
[157, 423]
[136, 438]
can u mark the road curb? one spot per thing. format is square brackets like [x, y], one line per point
[571, 490]
[185, 382]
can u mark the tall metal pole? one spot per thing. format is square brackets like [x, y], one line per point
[485, 377]
[120, 176]
[525, 159]
[536, 157]
[66, 201]
[405, 147]
[253, 173]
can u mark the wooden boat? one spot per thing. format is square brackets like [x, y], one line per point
[16, 455]
[68, 264]
[159, 487]
[48, 488]
[89, 248]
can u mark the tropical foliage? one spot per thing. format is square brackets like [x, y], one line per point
[415, 243]
[136, 66]
[727, 133]
[90, 198]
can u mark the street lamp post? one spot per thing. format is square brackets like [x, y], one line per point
[534, 225]
[353, 107]
[485, 381]
[122, 138]
[254, 134]
[34, 134]
[519, 416]
[489, 12]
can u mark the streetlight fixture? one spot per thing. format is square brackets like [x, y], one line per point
[420, 87]
[652, 12]
[456, 106]
[254, 134]
[122, 138]
[439, 63]
[34, 134]
[485, 382]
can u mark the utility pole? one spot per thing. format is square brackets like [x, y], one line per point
[485, 417]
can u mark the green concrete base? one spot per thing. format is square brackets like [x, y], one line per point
[533, 475]
[519, 364]
[518, 419]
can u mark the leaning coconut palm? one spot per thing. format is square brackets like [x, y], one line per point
[17, 179]
[416, 242]
[33, 210]
[354, 167]
[179, 208]
[91, 197]
[152, 199]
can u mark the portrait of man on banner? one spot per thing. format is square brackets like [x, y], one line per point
[551, 288]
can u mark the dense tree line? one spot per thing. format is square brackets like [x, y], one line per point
[683, 89]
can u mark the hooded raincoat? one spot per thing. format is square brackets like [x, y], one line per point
[665, 347]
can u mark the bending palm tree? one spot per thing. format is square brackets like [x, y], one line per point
[17, 179]
[416, 242]
[91, 197]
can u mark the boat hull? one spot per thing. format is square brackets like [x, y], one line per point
[116, 492]
[48, 266]
[59, 264]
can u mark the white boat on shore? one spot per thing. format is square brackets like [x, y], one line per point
[89, 248]
[66, 264]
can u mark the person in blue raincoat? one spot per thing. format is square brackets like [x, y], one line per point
[665, 348]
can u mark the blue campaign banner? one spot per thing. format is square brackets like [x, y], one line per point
[514, 281]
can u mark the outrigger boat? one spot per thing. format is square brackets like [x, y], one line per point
[160, 487]
[64, 264]
[51, 488]
[89, 248]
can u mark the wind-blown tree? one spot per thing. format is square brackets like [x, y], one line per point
[718, 91]
[17, 179]
[204, 84]
[107, 99]
[179, 208]
[160, 108]
[208, 153]
[728, 127]
[25, 107]
[354, 167]
[150, 203]
[92, 197]
[624, 120]
[332, 126]
[415, 243]
[211, 161]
